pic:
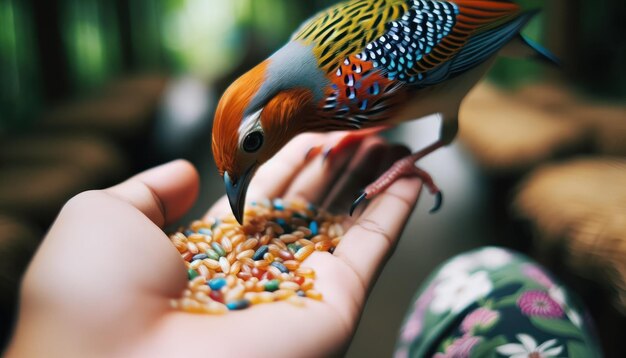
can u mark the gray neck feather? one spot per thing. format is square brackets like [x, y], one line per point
[292, 66]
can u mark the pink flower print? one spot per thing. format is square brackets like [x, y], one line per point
[401, 353]
[481, 318]
[539, 303]
[460, 348]
[537, 274]
[413, 327]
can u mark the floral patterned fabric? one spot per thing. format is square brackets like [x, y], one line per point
[495, 303]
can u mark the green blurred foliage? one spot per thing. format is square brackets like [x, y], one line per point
[19, 92]
[90, 33]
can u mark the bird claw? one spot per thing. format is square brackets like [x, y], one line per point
[438, 202]
[356, 203]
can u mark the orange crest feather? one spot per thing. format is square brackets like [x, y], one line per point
[229, 115]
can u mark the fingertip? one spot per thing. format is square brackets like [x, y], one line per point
[164, 193]
[176, 184]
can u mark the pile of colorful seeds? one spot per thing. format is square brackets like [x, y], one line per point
[231, 267]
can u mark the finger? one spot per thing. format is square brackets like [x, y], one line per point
[317, 178]
[273, 178]
[369, 242]
[112, 234]
[360, 173]
[163, 194]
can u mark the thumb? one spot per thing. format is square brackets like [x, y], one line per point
[163, 194]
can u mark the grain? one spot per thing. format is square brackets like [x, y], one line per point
[233, 267]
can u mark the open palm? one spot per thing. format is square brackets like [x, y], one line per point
[101, 283]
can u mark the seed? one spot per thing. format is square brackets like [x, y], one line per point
[247, 253]
[202, 297]
[323, 245]
[231, 281]
[307, 285]
[238, 239]
[305, 272]
[299, 280]
[197, 281]
[285, 255]
[289, 286]
[216, 308]
[279, 204]
[247, 261]
[253, 297]
[204, 271]
[272, 285]
[304, 242]
[314, 295]
[195, 264]
[244, 276]
[238, 305]
[235, 268]
[274, 249]
[217, 284]
[211, 264]
[179, 236]
[304, 252]
[203, 246]
[306, 231]
[249, 244]
[291, 265]
[224, 265]
[279, 243]
[192, 274]
[280, 267]
[256, 272]
[266, 297]
[196, 238]
[288, 238]
[293, 248]
[283, 294]
[190, 305]
[218, 249]
[212, 254]
[217, 296]
[192, 248]
[234, 294]
[274, 271]
[258, 255]
[319, 238]
[265, 239]
[205, 232]
[314, 227]
[227, 244]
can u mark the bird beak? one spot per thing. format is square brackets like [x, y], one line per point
[236, 192]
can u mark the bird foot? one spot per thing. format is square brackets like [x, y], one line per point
[348, 140]
[401, 169]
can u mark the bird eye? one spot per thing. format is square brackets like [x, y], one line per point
[253, 142]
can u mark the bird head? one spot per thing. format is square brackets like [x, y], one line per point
[254, 119]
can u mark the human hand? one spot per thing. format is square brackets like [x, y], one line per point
[101, 283]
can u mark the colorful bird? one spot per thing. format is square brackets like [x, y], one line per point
[365, 64]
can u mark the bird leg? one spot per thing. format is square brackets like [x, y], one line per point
[404, 167]
[346, 141]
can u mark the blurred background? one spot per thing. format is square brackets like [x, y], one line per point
[92, 91]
